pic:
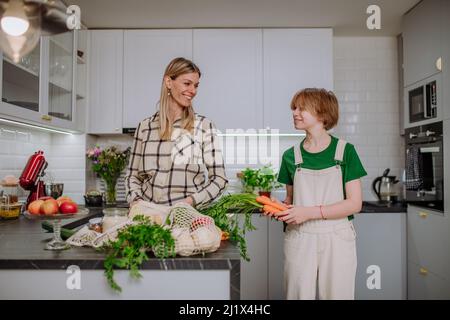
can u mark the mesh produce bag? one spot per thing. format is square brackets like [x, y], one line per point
[193, 232]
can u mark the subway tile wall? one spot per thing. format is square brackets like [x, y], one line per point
[64, 154]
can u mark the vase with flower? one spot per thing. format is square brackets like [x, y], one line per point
[108, 164]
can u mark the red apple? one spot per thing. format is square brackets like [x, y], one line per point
[35, 206]
[49, 207]
[62, 199]
[68, 207]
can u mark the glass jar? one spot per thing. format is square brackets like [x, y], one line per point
[113, 217]
[11, 193]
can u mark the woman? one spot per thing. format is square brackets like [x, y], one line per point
[322, 176]
[173, 148]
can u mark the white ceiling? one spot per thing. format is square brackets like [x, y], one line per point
[347, 17]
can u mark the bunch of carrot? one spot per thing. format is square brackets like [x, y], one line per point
[270, 207]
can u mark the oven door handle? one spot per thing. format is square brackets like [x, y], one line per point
[429, 149]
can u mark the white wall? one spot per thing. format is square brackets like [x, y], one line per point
[64, 154]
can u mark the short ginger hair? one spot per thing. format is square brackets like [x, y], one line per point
[319, 102]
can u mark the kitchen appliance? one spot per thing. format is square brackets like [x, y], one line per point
[31, 177]
[54, 190]
[425, 166]
[385, 187]
[423, 100]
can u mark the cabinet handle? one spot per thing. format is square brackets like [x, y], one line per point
[423, 214]
[46, 117]
[439, 64]
[423, 271]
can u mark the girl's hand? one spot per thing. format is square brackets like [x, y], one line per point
[293, 215]
[188, 200]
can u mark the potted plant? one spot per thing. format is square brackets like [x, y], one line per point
[261, 181]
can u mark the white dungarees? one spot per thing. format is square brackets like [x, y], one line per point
[322, 251]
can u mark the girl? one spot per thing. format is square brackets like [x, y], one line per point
[322, 176]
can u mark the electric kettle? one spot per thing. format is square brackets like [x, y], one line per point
[385, 187]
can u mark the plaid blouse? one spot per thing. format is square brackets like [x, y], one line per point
[165, 172]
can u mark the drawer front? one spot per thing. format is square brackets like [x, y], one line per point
[424, 284]
[428, 240]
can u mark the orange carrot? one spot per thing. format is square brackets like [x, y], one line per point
[269, 209]
[266, 201]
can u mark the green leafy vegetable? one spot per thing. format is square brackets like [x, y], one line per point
[245, 204]
[130, 249]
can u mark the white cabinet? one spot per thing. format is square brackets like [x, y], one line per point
[428, 254]
[293, 59]
[423, 35]
[40, 88]
[230, 91]
[146, 55]
[106, 79]
[381, 251]
[254, 272]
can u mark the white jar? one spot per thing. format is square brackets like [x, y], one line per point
[113, 217]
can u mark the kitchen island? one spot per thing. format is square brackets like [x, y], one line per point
[27, 271]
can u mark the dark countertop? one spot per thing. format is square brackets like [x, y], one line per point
[22, 244]
[383, 207]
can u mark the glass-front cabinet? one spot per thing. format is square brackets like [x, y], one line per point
[40, 88]
[61, 76]
[20, 89]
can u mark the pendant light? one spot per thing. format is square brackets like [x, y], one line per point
[23, 22]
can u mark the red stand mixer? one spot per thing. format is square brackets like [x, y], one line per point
[31, 177]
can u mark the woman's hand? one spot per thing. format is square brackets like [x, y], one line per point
[294, 215]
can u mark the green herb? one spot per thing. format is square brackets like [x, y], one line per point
[129, 251]
[263, 179]
[245, 204]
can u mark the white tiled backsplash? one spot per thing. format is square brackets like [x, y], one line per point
[64, 154]
[366, 84]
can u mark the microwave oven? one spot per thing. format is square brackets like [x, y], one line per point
[422, 101]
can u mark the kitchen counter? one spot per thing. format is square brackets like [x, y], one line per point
[383, 207]
[22, 255]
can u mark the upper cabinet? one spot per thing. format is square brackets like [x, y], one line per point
[293, 59]
[423, 37]
[248, 75]
[20, 86]
[105, 81]
[40, 88]
[146, 55]
[230, 91]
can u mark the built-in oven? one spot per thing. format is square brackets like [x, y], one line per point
[422, 101]
[424, 167]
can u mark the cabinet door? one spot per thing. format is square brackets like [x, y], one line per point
[429, 240]
[230, 91]
[254, 272]
[61, 75]
[424, 284]
[293, 59]
[381, 243]
[105, 78]
[276, 260]
[423, 34]
[146, 55]
[445, 61]
[20, 86]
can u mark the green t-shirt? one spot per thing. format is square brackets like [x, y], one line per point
[351, 165]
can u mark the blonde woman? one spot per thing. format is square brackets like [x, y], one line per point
[175, 147]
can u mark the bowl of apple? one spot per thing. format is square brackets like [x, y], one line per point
[48, 208]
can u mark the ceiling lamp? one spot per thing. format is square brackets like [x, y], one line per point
[23, 22]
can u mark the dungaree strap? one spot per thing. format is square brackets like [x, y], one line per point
[298, 154]
[339, 155]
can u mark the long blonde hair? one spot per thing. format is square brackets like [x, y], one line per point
[176, 67]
